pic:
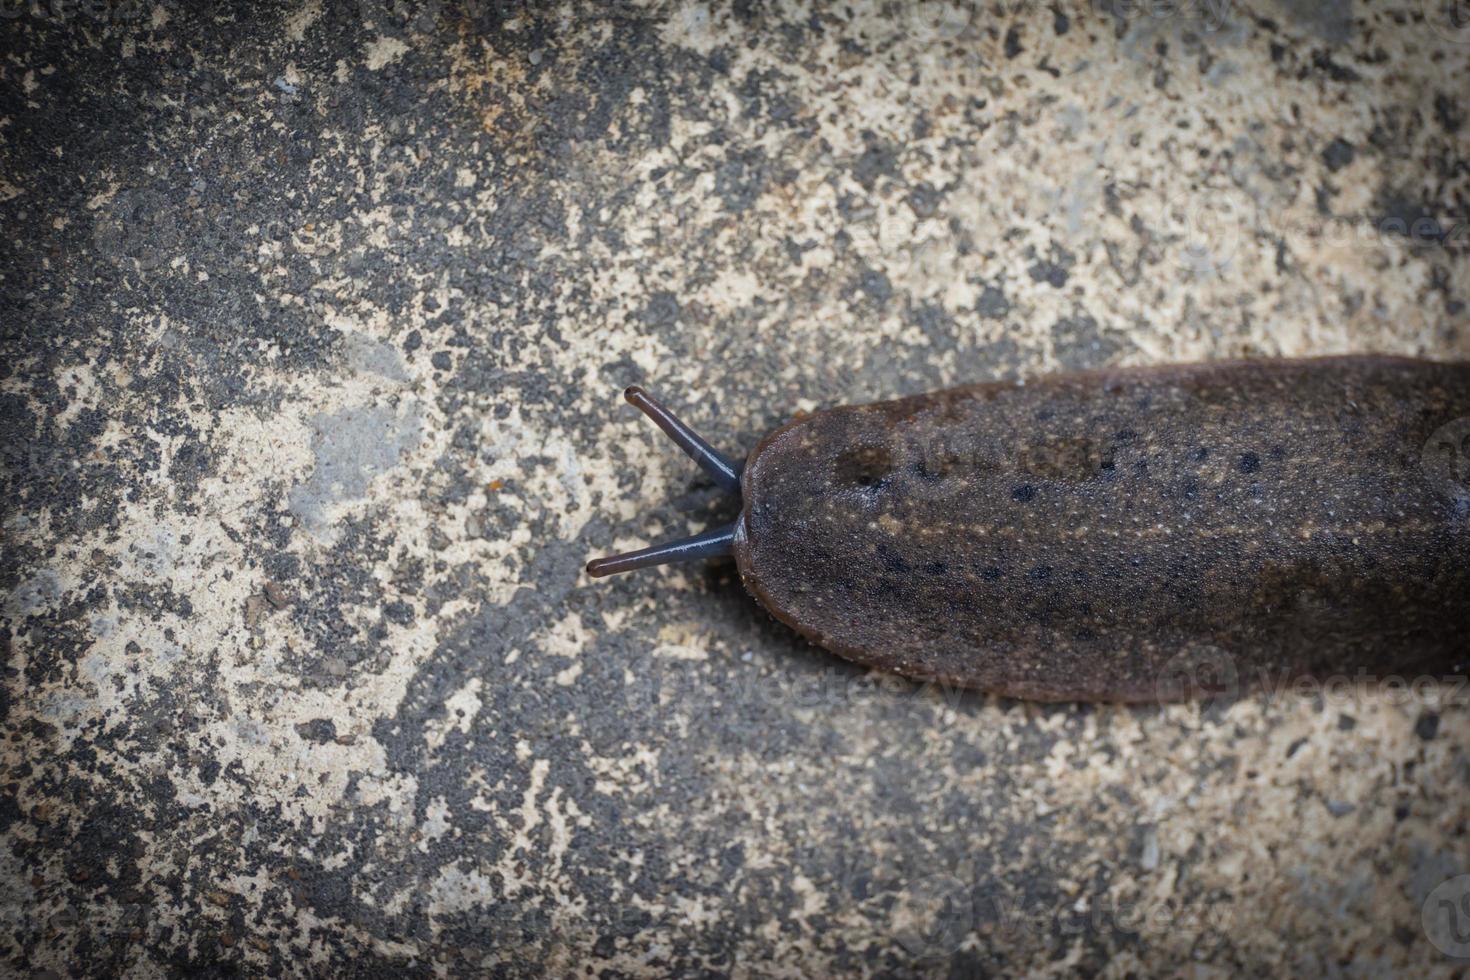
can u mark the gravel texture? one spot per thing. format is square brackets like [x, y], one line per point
[313, 320]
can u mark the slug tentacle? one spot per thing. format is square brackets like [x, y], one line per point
[715, 543]
[722, 470]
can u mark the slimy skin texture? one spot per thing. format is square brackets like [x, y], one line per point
[1082, 536]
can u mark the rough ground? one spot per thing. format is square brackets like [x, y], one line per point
[314, 323]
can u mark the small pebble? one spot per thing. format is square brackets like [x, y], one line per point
[1427, 726]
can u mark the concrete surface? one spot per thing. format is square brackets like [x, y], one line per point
[315, 319]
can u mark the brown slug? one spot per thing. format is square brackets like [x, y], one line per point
[1069, 538]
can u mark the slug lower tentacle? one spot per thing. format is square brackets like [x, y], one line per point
[1079, 537]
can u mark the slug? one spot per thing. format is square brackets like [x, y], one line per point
[1071, 538]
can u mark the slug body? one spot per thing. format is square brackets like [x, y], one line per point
[1099, 536]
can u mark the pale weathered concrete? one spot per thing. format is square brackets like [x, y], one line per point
[314, 324]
